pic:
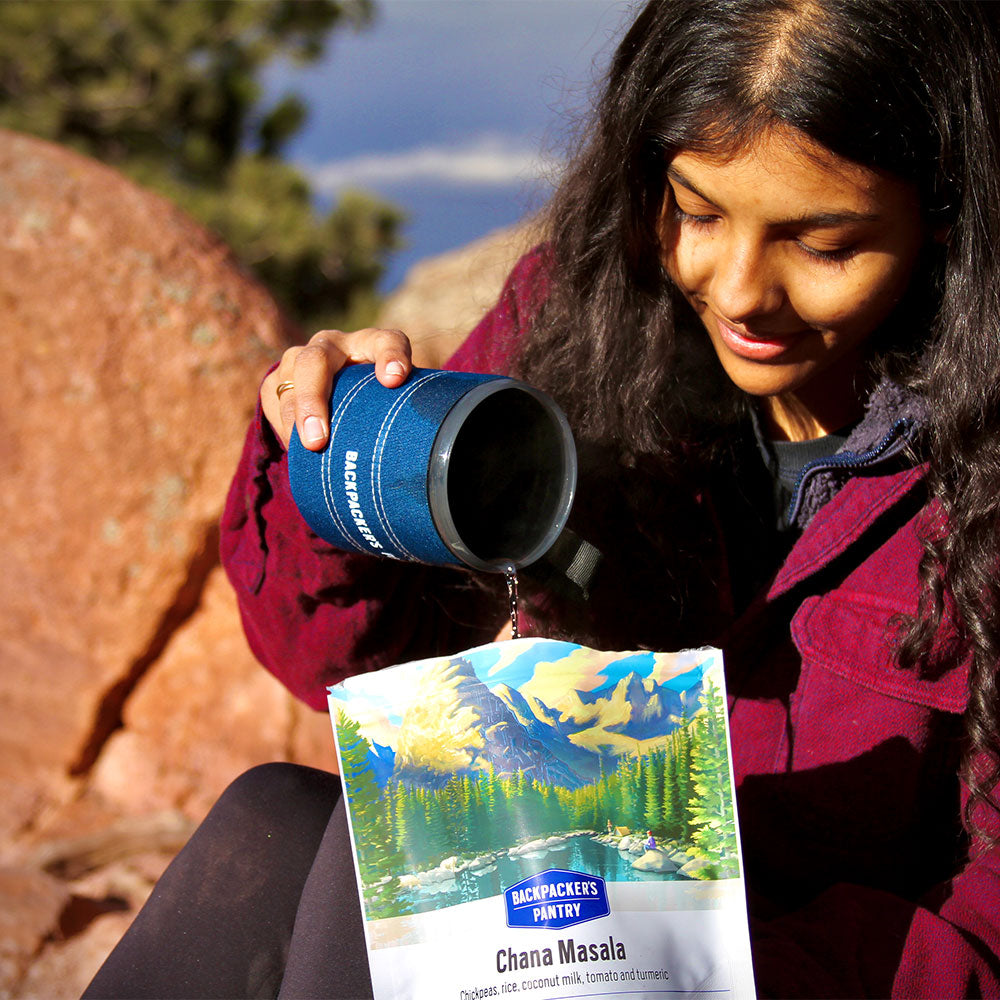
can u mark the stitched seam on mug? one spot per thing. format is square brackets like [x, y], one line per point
[331, 504]
[379, 449]
[380, 441]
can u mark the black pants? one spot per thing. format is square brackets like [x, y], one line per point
[261, 902]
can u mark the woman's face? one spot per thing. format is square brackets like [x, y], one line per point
[792, 257]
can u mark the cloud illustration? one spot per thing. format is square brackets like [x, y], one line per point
[589, 669]
[378, 699]
[506, 653]
[666, 666]
[586, 668]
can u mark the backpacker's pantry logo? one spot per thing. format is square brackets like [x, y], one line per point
[556, 898]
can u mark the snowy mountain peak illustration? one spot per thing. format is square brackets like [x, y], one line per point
[456, 725]
[381, 760]
[624, 717]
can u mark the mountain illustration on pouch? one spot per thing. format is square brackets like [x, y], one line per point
[465, 774]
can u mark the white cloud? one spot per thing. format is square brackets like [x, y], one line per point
[484, 161]
[509, 650]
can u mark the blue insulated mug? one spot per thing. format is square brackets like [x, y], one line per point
[449, 468]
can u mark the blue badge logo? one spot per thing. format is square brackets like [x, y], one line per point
[556, 899]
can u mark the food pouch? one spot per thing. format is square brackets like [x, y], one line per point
[538, 818]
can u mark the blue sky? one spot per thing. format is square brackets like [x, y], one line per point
[451, 108]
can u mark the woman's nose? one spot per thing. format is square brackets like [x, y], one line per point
[744, 285]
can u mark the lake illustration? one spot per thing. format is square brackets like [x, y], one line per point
[465, 774]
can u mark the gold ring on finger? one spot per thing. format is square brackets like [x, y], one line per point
[284, 387]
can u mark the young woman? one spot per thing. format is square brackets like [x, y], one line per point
[770, 306]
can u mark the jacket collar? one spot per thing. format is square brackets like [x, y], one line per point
[855, 508]
[893, 420]
[837, 498]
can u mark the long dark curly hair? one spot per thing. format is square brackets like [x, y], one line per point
[908, 88]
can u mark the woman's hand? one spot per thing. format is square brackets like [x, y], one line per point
[305, 378]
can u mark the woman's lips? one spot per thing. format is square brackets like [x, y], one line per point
[755, 347]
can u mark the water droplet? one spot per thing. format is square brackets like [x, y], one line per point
[510, 575]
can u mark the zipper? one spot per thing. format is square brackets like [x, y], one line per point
[892, 443]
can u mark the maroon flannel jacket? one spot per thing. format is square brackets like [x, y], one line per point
[861, 879]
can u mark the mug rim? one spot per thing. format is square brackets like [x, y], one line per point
[437, 473]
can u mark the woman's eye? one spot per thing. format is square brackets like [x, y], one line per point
[696, 220]
[836, 256]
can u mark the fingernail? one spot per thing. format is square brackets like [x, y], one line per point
[313, 429]
[395, 368]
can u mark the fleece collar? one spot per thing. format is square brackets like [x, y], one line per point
[893, 419]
